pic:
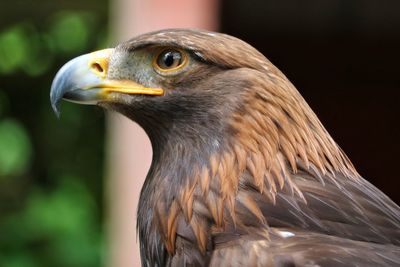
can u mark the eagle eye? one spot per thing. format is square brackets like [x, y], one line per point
[170, 60]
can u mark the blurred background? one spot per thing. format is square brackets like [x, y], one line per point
[65, 197]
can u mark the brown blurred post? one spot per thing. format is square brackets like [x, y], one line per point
[129, 150]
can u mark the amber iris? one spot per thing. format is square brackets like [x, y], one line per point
[170, 60]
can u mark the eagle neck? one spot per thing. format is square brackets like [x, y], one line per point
[180, 153]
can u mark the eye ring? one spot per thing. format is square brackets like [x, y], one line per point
[170, 60]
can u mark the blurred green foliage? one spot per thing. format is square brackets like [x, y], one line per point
[69, 31]
[50, 170]
[13, 49]
[56, 228]
[15, 152]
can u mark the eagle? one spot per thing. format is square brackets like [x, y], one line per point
[243, 172]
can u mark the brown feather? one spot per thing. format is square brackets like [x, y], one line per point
[172, 225]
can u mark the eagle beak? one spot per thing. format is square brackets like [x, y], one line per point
[84, 80]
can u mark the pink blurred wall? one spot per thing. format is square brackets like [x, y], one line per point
[129, 150]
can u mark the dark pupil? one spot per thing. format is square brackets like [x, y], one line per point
[171, 59]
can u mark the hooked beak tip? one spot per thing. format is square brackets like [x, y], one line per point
[56, 109]
[55, 99]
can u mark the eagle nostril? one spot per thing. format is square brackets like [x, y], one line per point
[97, 68]
[98, 62]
